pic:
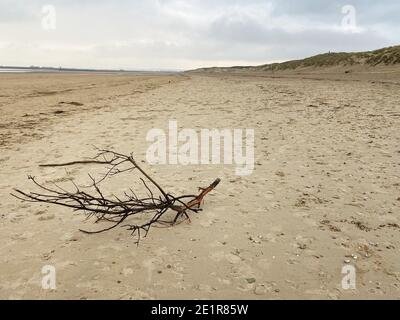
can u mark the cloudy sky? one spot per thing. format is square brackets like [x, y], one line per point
[185, 34]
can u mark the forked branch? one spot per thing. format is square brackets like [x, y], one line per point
[117, 210]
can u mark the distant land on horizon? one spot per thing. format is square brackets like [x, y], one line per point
[388, 56]
[384, 57]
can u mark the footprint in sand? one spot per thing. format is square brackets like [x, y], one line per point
[22, 236]
[219, 256]
[46, 217]
[71, 237]
[265, 288]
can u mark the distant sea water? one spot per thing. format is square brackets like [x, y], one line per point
[15, 70]
[27, 70]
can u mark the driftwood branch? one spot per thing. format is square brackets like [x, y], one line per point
[117, 210]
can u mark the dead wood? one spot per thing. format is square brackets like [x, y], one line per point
[117, 210]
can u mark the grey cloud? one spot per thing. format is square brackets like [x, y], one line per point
[183, 34]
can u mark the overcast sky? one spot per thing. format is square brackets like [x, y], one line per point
[185, 34]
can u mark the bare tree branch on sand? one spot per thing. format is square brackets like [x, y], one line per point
[117, 210]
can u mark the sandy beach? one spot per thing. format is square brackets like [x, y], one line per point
[324, 192]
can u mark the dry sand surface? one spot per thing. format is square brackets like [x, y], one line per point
[325, 189]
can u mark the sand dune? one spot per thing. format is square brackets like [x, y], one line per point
[324, 193]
